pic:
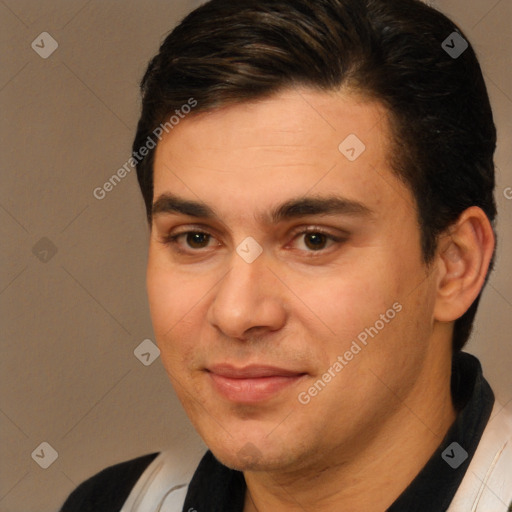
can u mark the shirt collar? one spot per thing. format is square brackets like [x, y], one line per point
[436, 484]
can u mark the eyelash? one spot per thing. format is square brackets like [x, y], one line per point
[172, 240]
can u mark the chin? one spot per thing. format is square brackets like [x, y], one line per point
[245, 455]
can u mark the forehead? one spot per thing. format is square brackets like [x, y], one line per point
[295, 143]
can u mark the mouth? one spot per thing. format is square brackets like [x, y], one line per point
[251, 384]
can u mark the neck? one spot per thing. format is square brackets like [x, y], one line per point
[375, 476]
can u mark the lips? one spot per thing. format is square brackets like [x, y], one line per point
[254, 383]
[251, 372]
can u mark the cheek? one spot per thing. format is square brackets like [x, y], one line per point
[162, 302]
[352, 298]
[168, 308]
[177, 302]
[377, 304]
[171, 294]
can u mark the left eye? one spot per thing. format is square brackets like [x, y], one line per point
[314, 240]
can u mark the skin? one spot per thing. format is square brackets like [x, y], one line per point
[360, 441]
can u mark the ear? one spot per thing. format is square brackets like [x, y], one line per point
[463, 256]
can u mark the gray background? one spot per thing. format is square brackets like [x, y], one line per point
[70, 324]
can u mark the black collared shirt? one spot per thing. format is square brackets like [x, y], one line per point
[216, 488]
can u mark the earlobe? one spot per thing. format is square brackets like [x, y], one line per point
[463, 256]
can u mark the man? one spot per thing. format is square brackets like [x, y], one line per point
[320, 200]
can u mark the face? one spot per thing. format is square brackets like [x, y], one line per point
[286, 284]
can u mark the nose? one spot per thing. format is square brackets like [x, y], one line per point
[248, 301]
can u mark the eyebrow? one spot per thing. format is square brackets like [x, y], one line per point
[291, 209]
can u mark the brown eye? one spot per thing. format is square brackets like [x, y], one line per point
[197, 240]
[315, 241]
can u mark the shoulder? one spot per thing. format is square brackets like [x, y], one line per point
[107, 490]
[165, 483]
[487, 485]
